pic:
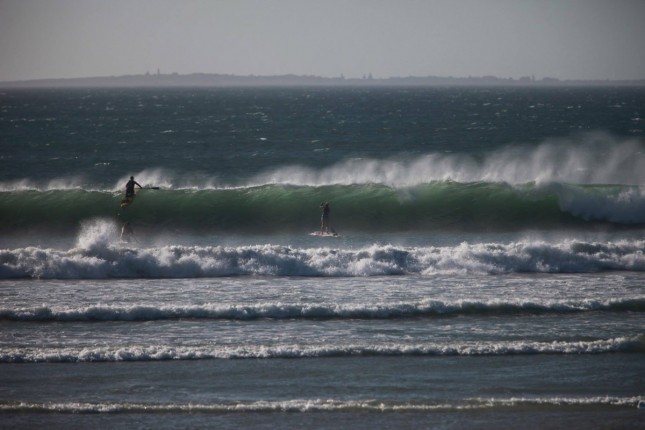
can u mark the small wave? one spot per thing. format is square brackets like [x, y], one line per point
[162, 353]
[315, 405]
[424, 308]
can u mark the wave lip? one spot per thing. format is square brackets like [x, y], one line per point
[591, 158]
[161, 353]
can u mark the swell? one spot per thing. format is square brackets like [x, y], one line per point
[282, 311]
[634, 344]
[366, 207]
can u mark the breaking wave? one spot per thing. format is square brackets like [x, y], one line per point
[557, 183]
[370, 207]
[316, 405]
[98, 255]
[161, 352]
[424, 308]
[592, 158]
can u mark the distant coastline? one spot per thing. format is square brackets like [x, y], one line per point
[223, 80]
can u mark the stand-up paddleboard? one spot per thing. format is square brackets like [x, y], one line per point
[324, 234]
[126, 201]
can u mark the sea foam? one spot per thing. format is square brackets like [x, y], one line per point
[97, 257]
[314, 405]
[293, 351]
[592, 158]
[291, 311]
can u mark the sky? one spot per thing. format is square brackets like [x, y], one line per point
[565, 39]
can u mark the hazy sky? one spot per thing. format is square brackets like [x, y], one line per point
[567, 39]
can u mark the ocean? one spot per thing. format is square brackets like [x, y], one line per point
[487, 271]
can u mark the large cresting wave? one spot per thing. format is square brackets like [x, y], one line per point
[554, 185]
[368, 207]
[587, 159]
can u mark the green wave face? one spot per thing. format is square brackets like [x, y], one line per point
[371, 207]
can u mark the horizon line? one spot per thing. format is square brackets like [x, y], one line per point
[222, 79]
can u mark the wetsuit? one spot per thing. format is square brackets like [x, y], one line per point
[324, 219]
[325, 213]
[129, 187]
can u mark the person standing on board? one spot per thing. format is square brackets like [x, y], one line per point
[129, 187]
[324, 219]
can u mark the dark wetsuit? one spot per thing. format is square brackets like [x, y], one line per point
[129, 187]
[325, 213]
[324, 219]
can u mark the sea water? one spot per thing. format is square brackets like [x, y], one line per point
[488, 271]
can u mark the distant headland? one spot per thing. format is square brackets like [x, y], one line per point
[222, 80]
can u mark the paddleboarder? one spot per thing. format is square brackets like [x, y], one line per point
[129, 187]
[324, 219]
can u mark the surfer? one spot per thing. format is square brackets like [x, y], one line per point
[129, 187]
[324, 219]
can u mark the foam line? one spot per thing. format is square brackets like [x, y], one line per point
[162, 353]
